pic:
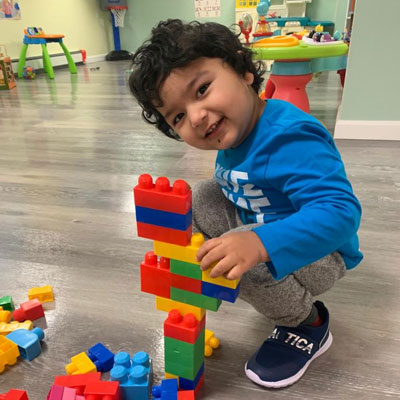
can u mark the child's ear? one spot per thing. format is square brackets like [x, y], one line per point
[249, 77]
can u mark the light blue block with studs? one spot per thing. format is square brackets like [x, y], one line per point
[28, 342]
[135, 376]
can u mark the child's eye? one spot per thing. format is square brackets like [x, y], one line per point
[203, 89]
[177, 118]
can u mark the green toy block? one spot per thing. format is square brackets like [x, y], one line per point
[7, 303]
[195, 299]
[185, 269]
[184, 359]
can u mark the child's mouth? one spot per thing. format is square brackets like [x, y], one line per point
[214, 129]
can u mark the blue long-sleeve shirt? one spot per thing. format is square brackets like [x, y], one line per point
[289, 174]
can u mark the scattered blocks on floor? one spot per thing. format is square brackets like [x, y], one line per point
[29, 310]
[43, 294]
[5, 328]
[168, 390]
[134, 375]
[8, 353]
[103, 390]
[80, 364]
[5, 315]
[28, 342]
[7, 303]
[14, 394]
[78, 382]
[102, 357]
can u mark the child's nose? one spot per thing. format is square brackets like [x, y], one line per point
[197, 116]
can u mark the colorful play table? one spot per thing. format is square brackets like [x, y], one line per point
[295, 61]
[31, 37]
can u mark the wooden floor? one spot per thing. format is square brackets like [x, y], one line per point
[71, 150]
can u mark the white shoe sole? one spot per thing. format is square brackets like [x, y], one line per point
[293, 379]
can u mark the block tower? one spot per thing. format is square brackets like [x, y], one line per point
[172, 274]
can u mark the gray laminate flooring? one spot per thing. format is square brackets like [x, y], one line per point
[71, 150]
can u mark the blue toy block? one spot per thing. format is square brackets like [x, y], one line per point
[28, 342]
[134, 375]
[168, 390]
[188, 384]
[164, 218]
[102, 358]
[219, 292]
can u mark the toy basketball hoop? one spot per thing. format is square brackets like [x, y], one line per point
[118, 13]
[117, 9]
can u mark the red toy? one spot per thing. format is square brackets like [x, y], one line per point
[30, 310]
[103, 390]
[14, 394]
[163, 234]
[155, 275]
[184, 328]
[161, 196]
[185, 283]
[78, 382]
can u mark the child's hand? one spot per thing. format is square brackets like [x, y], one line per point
[235, 253]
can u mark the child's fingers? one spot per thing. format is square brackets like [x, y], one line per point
[206, 248]
[221, 268]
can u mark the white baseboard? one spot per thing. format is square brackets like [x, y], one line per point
[368, 130]
[97, 58]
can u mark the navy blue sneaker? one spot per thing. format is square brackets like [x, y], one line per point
[287, 353]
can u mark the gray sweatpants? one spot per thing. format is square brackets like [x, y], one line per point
[285, 302]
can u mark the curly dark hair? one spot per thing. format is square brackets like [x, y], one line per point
[174, 44]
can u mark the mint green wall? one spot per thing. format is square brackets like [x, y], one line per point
[142, 15]
[372, 87]
[329, 10]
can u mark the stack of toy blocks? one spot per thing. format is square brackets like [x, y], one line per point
[172, 273]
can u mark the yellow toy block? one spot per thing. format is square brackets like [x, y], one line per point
[44, 293]
[211, 342]
[188, 254]
[167, 305]
[181, 253]
[220, 280]
[5, 328]
[8, 353]
[167, 375]
[80, 364]
[5, 316]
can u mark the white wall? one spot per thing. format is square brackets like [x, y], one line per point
[82, 22]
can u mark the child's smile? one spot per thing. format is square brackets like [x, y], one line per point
[209, 105]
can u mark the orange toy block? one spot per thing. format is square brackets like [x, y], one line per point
[155, 276]
[186, 395]
[184, 328]
[80, 364]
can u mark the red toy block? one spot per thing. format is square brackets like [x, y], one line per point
[78, 382]
[155, 275]
[14, 394]
[184, 328]
[185, 283]
[70, 394]
[103, 390]
[31, 310]
[186, 395]
[160, 196]
[163, 234]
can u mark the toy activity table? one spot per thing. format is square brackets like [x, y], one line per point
[43, 39]
[295, 61]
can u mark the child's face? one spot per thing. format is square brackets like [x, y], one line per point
[209, 105]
